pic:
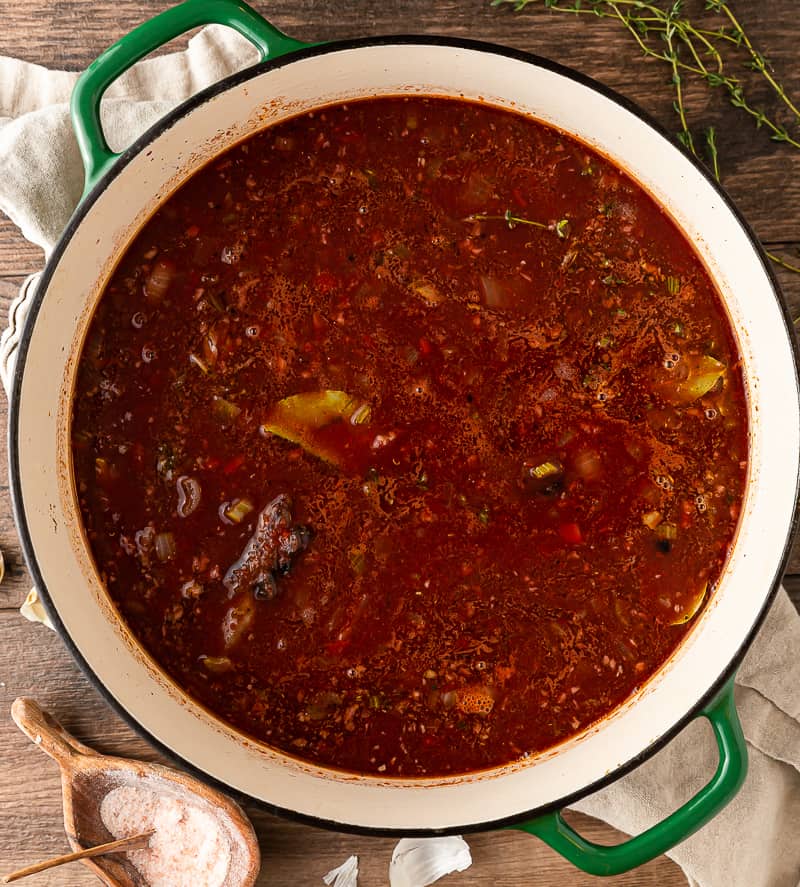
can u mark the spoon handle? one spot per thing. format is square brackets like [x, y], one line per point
[133, 842]
[44, 730]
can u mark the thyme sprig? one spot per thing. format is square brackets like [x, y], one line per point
[789, 267]
[561, 227]
[691, 49]
[508, 217]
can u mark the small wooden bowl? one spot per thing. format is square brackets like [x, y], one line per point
[87, 777]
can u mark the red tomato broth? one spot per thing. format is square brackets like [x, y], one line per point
[535, 478]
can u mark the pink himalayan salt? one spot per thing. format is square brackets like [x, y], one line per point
[188, 849]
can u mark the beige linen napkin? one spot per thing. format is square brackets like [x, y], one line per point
[755, 841]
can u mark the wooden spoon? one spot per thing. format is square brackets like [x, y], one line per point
[87, 777]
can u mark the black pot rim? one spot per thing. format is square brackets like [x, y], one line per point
[13, 428]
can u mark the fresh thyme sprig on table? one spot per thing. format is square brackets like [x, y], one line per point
[699, 48]
[702, 49]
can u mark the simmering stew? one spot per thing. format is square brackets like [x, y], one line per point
[410, 436]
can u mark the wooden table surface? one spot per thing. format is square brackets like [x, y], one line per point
[763, 178]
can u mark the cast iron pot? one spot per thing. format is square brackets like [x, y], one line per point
[122, 191]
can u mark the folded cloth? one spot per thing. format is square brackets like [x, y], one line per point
[753, 842]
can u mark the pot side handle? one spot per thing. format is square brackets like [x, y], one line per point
[103, 71]
[597, 859]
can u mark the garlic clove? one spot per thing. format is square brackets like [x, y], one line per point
[417, 862]
[33, 609]
[346, 875]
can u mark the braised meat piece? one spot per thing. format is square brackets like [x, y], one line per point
[269, 552]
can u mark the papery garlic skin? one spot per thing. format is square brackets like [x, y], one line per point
[417, 862]
[345, 875]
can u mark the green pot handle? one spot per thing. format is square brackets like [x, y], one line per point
[695, 813]
[104, 70]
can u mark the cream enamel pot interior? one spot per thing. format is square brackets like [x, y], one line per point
[128, 189]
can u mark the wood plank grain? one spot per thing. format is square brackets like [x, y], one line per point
[9, 289]
[17, 255]
[35, 663]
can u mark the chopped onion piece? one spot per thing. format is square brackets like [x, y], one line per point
[164, 545]
[496, 294]
[652, 519]
[226, 411]
[588, 464]
[345, 875]
[158, 280]
[216, 664]
[667, 531]
[238, 510]
[417, 862]
[449, 699]
[692, 607]
[358, 560]
[192, 590]
[546, 469]
[210, 349]
[361, 415]
[193, 358]
[238, 619]
[189, 493]
[428, 292]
